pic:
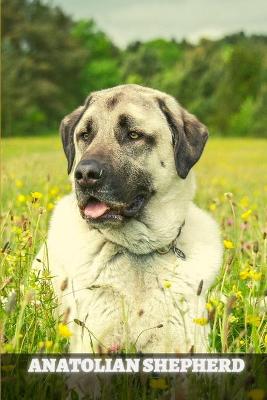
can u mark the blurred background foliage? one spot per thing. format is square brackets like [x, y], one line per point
[51, 63]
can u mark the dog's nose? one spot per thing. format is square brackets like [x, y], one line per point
[88, 172]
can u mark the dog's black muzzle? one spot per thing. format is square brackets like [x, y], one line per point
[105, 194]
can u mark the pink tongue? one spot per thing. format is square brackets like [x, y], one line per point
[95, 210]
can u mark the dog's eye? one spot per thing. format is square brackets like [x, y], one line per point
[134, 135]
[84, 136]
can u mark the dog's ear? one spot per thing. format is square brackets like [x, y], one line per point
[189, 136]
[67, 128]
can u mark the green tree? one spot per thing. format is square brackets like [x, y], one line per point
[40, 66]
[102, 65]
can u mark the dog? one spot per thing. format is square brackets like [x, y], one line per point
[132, 257]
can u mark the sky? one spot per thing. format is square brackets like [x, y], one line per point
[129, 20]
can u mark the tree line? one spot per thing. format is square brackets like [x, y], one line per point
[50, 63]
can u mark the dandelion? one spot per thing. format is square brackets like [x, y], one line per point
[256, 394]
[200, 321]
[158, 383]
[212, 207]
[253, 320]
[50, 206]
[255, 276]
[64, 331]
[228, 244]
[21, 198]
[209, 307]
[48, 344]
[18, 183]
[17, 230]
[244, 202]
[54, 191]
[36, 195]
[244, 274]
[250, 273]
[166, 284]
[245, 216]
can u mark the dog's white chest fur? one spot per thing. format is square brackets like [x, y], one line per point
[132, 301]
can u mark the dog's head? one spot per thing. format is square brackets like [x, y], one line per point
[123, 146]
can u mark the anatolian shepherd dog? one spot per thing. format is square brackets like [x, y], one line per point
[131, 255]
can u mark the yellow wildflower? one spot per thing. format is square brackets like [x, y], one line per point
[241, 342]
[158, 383]
[54, 191]
[48, 344]
[253, 320]
[200, 321]
[244, 202]
[166, 284]
[265, 340]
[21, 198]
[256, 394]
[10, 258]
[232, 318]
[215, 302]
[237, 292]
[209, 306]
[17, 230]
[64, 331]
[245, 216]
[255, 276]
[228, 244]
[244, 274]
[50, 206]
[212, 207]
[36, 195]
[18, 183]
[249, 272]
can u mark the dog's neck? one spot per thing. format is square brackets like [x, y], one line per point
[159, 227]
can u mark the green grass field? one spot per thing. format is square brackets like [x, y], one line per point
[232, 185]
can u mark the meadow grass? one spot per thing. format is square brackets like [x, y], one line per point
[232, 186]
